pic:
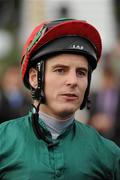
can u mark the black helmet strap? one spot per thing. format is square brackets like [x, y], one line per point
[38, 93]
[86, 98]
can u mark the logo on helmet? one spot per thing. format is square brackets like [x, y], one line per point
[77, 47]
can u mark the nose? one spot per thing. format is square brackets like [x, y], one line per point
[71, 79]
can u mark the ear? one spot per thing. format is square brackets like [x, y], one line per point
[33, 78]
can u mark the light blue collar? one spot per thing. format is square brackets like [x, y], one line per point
[55, 126]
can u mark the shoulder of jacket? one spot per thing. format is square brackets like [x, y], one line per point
[93, 134]
[12, 123]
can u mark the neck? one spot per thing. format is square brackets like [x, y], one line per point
[55, 126]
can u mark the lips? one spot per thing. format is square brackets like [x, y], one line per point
[70, 96]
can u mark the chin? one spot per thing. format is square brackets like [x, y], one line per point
[67, 112]
[70, 107]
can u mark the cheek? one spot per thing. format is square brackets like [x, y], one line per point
[50, 87]
[83, 85]
[86, 84]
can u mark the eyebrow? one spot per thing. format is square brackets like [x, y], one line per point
[67, 66]
[83, 69]
[59, 65]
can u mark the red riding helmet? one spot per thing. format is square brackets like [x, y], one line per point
[62, 35]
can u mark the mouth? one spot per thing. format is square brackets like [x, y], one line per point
[70, 96]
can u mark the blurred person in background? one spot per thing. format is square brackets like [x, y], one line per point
[113, 61]
[14, 101]
[48, 143]
[113, 58]
[105, 107]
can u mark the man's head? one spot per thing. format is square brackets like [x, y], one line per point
[60, 39]
[66, 80]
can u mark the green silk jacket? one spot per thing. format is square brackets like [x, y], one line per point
[79, 153]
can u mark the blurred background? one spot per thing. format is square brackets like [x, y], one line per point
[19, 17]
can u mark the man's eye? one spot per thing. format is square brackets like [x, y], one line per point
[60, 70]
[81, 74]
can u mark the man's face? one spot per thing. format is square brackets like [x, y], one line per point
[66, 79]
